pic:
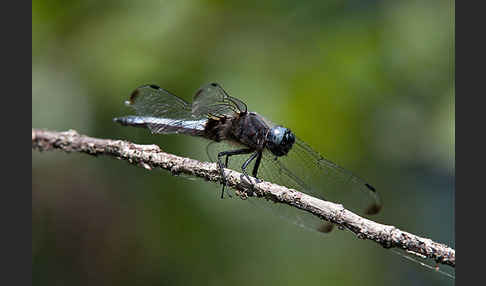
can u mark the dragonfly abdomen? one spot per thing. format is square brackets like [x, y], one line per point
[165, 125]
[136, 121]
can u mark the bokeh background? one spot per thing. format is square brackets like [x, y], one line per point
[369, 84]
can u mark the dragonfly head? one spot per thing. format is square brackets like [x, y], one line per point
[280, 140]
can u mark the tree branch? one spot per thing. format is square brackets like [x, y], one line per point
[151, 156]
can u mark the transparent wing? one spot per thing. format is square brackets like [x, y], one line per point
[177, 114]
[307, 171]
[268, 172]
[153, 101]
[211, 99]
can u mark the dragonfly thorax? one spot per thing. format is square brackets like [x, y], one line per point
[280, 140]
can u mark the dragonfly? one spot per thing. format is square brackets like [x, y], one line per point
[246, 141]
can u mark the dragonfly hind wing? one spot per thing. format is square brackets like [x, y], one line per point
[151, 100]
[163, 111]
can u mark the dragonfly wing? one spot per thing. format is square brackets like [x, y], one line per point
[155, 102]
[307, 171]
[151, 100]
[211, 99]
[268, 172]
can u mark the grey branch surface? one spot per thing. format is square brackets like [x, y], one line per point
[151, 156]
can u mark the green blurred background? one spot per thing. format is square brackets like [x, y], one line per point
[369, 84]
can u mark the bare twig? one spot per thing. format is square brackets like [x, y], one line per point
[151, 156]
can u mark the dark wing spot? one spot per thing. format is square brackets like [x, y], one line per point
[214, 84]
[154, 86]
[373, 209]
[134, 95]
[325, 227]
[370, 187]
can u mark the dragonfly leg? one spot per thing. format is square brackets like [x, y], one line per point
[222, 166]
[245, 165]
[257, 164]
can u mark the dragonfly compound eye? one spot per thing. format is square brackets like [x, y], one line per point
[280, 140]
